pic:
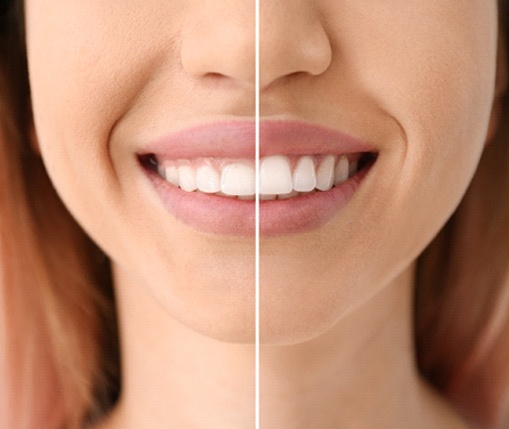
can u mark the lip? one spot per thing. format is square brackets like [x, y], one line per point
[236, 139]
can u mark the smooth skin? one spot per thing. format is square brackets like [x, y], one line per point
[415, 79]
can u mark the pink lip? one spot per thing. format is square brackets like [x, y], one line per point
[235, 139]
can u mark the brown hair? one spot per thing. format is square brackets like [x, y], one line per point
[462, 288]
[58, 328]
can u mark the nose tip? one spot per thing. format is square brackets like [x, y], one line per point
[221, 49]
[292, 41]
[291, 50]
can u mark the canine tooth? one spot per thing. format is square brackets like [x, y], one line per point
[171, 175]
[325, 173]
[238, 179]
[304, 175]
[275, 175]
[341, 171]
[208, 179]
[353, 168]
[187, 178]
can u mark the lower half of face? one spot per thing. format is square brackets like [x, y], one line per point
[373, 118]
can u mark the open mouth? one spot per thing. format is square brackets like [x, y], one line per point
[205, 176]
[281, 176]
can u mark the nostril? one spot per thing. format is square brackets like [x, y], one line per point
[215, 75]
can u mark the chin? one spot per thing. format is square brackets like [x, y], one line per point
[226, 329]
[279, 334]
[302, 327]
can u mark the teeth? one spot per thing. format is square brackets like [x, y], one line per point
[292, 194]
[281, 177]
[238, 179]
[304, 176]
[275, 175]
[267, 197]
[161, 171]
[172, 175]
[325, 174]
[187, 178]
[342, 171]
[208, 179]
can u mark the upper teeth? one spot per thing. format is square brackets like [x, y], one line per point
[280, 176]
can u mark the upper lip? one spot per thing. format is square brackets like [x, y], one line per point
[236, 139]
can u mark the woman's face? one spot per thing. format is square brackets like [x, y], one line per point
[127, 91]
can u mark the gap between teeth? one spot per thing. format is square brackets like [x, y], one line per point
[280, 176]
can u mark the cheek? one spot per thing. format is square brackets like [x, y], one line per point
[442, 99]
[433, 71]
[433, 76]
[429, 70]
[88, 61]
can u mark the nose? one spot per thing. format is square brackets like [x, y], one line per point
[293, 41]
[222, 43]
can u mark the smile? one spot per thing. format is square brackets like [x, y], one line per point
[206, 176]
[281, 176]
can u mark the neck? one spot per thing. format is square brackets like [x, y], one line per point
[359, 374]
[174, 377]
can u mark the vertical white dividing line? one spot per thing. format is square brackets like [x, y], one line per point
[257, 214]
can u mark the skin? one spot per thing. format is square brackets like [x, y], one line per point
[107, 74]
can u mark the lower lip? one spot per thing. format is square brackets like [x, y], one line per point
[233, 217]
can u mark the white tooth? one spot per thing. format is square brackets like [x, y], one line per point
[187, 178]
[287, 196]
[208, 179]
[172, 175]
[275, 175]
[238, 179]
[353, 168]
[325, 173]
[267, 197]
[341, 171]
[304, 176]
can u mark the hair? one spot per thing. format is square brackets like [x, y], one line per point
[59, 354]
[59, 363]
[462, 281]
